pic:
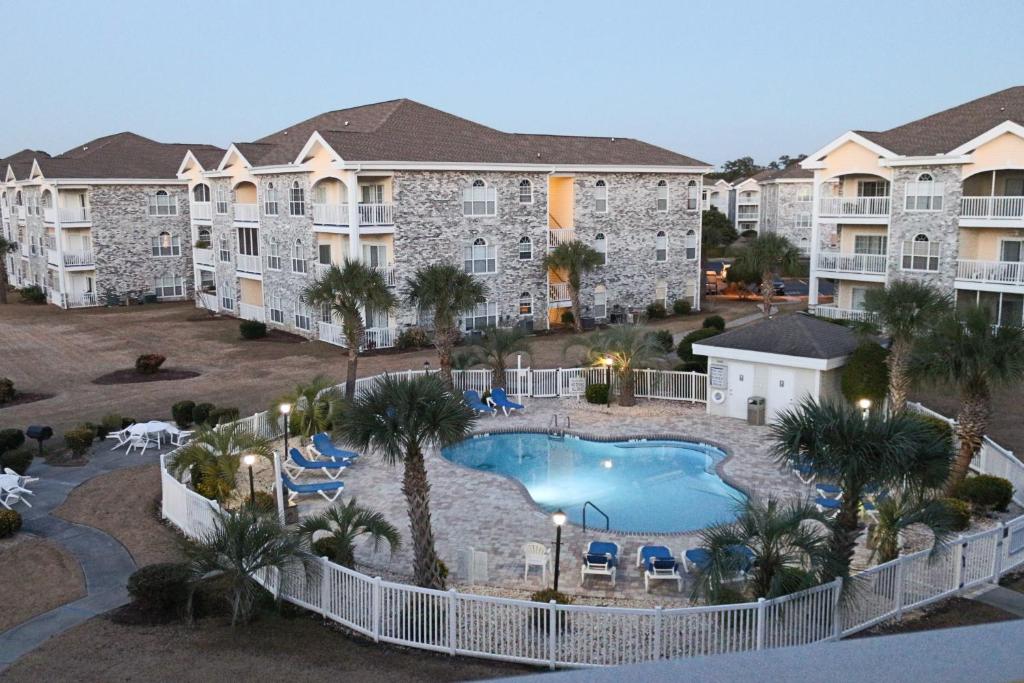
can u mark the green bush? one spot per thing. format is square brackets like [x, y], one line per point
[252, 329]
[412, 338]
[549, 594]
[219, 416]
[714, 322]
[33, 294]
[940, 425]
[10, 522]
[541, 616]
[7, 391]
[568, 318]
[986, 492]
[149, 363]
[17, 459]
[11, 439]
[685, 349]
[324, 547]
[958, 512]
[663, 338]
[101, 430]
[160, 587]
[265, 502]
[201, 413]
[698, 365]
[112, 422]
[597, 393]
[92, 428]
[865, 374]
[182, 413]
[656, 310]
[78, 440]
[681, 307]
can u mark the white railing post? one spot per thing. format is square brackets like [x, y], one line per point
[837, 615]
[452, 603]
[958, 564]
[377, 590]
[997, 560]
[325, 582]
[899, 588]
[552, 638]
[760, 624]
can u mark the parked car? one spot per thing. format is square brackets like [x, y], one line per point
[780, 287]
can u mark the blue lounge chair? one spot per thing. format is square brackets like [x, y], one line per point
[320, 487]
[829, 490]
[472, 399]
[658, 563]
[322, 446]
[299, 465]
[700, 559]
[804, 473]
[830, 506]
[601, 558]
[500, 399]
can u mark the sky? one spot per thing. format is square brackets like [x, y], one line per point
[715, 81]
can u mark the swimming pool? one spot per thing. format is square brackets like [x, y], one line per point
[643, 486]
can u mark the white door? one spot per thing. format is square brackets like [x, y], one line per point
[781, 393]
[741, 385]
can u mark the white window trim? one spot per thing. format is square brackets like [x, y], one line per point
[270, 201]
[528, 299]
[293, 202]
[302, 311]
[928, 257]
[273, 254]
[526, 239]
[924, 188]
[221, 201]
[524, 183]
[604, 238]
[490, 311]
[690, 243]
[660, 188]
[169, 206]
[692, 199]
[490, 253]
[598, 190]
[303, 263]
[157, 249]
[489, 199]
[177, 286]
[660, 235]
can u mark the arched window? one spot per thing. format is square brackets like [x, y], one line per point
[526, 305]
[662, 202]
[270, 200]
[201, 193]
[221, 205]
[525, 248]
[924, 194]
[17, 198]
[274, 306]
[601, 247]
[479, 257]
[691, 195]
[525, 192]
[273, 256]
[691, 245]
[479, 200]
[661, 293]
[297, 200]
[46, 201]
[661, 246]
[803, 219]
[299, 263]
[600, 302]
[203, 236]
[162, 204]
[303, 319]
[165, 244]
[601, 197]
[224, 249]
[804, 246]
[921, 253]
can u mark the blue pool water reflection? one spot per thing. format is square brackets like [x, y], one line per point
[644, 486]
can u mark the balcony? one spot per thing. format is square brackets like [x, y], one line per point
[991, 272]
[853, 207]
[558, 236]
[834, 313]
[248, 263]
[862, 264]
[52, 257]
[747, 215]
[993, 211]
[388, 272]
[376, 214]
[79, 259]
[246, 213]
[203, 257]
[252, 312]
[748, 201]
[330, 214]
[376, 337]
[201, 211]
[81, 300]
[71, 214]
[558, 294]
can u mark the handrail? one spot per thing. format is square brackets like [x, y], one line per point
[552, 217]
[607, 522]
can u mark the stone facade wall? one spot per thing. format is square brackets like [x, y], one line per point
[942, 226]
[780, 208]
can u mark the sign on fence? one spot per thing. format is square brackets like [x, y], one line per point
[577, 386]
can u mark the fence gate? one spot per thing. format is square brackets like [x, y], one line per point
[545, 383]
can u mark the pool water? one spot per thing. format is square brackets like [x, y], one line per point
[643, 486]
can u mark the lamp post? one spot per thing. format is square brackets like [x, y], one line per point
[285, 409]
[608, 362]
[426, 367]
[249, 461]
[559, 519]
[865, 407]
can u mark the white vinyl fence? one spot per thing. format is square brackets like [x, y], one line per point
[579, 635]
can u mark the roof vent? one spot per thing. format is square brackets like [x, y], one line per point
[85, 147]
[613, 139]
[346, 123]
[286, 132]
[538, 155]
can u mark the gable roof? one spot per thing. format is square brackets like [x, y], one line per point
[791, 172]
[123, 155]
[790, 335]
[21, 162]
[407, 131]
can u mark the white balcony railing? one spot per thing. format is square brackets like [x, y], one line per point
[252, 312]
[558, 291]
[389, 274]
[748, 215]
[201, 211]
[248, 263]
[330, 214]
[78, 258]
[49, 214]
[203, 257]
[81, 300]
[748, 201]
[376, 337]
[73, 214]
[839, 262]
[994, 272]
[558, 236]
[992, 207]
[835, 313]
[376, 214]
[854, 206]
[52, 257]
[246, 213]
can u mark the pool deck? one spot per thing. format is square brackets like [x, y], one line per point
[493, 514]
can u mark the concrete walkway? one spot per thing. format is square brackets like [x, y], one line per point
[1003, 598]
[106, 564]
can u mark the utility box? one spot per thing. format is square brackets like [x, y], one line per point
[755, 410]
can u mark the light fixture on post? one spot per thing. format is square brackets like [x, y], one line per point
[865, 407]
[285, 409]
[559, 519]
[426, 367]
[608, 363]
[249, 461]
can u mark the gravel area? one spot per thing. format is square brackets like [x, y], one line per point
[35, 577]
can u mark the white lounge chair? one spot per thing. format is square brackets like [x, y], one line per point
[658, 564]
[601, 559]
[536, 555]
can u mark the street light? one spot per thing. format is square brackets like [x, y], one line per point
[285, 408]
[559, 519]
[865, 407]
[249, 461]
[426, 367]
[608, 362]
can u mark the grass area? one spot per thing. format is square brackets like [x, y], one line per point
[36, 576]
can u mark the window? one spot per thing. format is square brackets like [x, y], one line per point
[375, 255]
[479, 200]
[920, 253]
[270, 200]
[166, 245]
[297, 200]
[661, 293]
[661, 246]
[299, 264]
[872, 188]
[274, 256]
[276, 312]
[870, 244]
[227, 296]
[221, 205]
[320, 193]
[483, 315]
[526, 305]
[662, 201]
[803, 219]
[249, 241]
[691, 195]
[479, 257]
[691, 245]
[924, 194]
[805, 194]
[600, 302]
[600, 197]
[323, 255]
[303, 320]
[525, 249]
[525, 192]
[601, 247]
[1011, 251]
[206, 281]
[203, 235]
[372, 194]
[46, 200]
[201, 192]
[168, 286]
[225, 250]
[163, 204]
[326, 314]
[857, 295]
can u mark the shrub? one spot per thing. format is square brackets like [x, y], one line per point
[663, 338]
[101, 430]
[252, 329]
[11, 439]
[324, 547]
[714, 322]
[201, 413]
[17, 459]
[685, 350]
[597, 393]
[182, 413]
[986, 492]
[92, 428]
[549, 594]
[699, 365]
[10, 523]
[149, 363]
[219, 416]
[541, 617]
[112, 422]
[866, 375]
[160, 587]
[264, 502]
[958, 512]
[412, 338]
[568, 318]
[681, 307]
[940, 425]
[78, 440]
[6, 390]
[656, 310]
[33, 294]
[202, 244]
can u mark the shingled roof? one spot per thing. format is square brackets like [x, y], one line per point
[21, 162]
[791, 172]
[404, 130]
[123, 155]
[790, 335]
[945, 131]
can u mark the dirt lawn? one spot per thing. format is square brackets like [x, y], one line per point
[36, 576]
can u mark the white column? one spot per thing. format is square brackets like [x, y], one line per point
[812, 282]
[58, 240]
[352, 185]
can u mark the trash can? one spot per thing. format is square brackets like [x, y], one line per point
[755, 410]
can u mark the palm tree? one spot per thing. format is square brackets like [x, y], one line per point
[898, 512]
[444, 292]
[311, 406]
[627, 347]
[6, 247]
[887, 450]
[904, 310]
[496, 345]
[401, 418]
[966, 351]
[241, 545]
[345, 524]
[769, 254]
[789, 545]
[575, 258]
[350, 291]
[213, 456]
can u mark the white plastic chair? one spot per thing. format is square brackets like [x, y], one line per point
[142, 442]
[536, 555]
[23, 479]
[177, 437]
[14, 494]
[122, 436]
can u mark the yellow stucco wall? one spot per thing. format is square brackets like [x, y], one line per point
[560, 202]
[852, 158]
[1006, 151]
[848, 234]
[844, 291]
[983, 244]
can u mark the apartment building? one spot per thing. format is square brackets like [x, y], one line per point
[786, 203]
[103, 221]
[939, 199]
[401, 185]
[717, 194]
[747, 204]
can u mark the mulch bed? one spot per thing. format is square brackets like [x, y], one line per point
[21, 398]
[951, 613]
[279, 336]
[132, 376]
